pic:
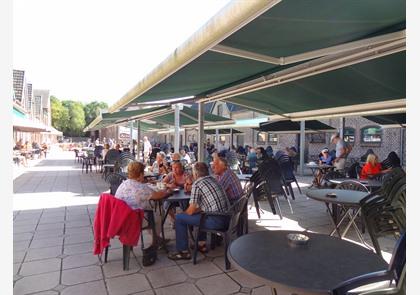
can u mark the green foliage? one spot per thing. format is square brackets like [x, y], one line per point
[59, 114]
[71, 117]
[92, 110]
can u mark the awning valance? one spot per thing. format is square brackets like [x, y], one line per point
[287, 126]
[26, 125]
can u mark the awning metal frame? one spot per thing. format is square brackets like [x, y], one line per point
[286, 60]
[311, 68]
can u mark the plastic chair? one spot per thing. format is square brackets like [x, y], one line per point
[114, 180]
[384, 210]
[111, 162]
[394, 274]
[234, 215]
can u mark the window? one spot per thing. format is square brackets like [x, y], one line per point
[317, 138]
[272, 138]
[220, 110]
[349, 134]
[371, 134]
[261, 137]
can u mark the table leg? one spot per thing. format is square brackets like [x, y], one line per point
[171, 205]
[331, 214]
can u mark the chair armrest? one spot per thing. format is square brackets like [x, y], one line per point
[378, 276]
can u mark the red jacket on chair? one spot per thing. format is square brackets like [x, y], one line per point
[114, 217]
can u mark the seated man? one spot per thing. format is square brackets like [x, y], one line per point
[206, 195]
[227, 179]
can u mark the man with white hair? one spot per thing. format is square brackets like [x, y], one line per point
[147, 149]
[342, 150]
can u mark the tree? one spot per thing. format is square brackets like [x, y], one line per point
[92, 110]
[59, 115]
[76, 117]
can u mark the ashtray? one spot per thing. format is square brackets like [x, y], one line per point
[297, 239]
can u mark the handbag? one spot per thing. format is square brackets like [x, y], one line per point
[149, 255]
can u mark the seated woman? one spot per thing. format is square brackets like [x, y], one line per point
[372, 167]
[175, 179]
[137, 194]
[326, 159]
[160, 166]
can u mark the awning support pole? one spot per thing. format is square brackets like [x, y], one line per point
[200, 132]
[217, 140]
[302, 147]
[342, 127]
[176, 143]
[231, 138]
[131, 145]
[138, 140]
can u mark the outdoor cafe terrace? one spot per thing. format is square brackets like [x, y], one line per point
[54, 209]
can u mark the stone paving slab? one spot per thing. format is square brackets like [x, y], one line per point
[53, 244]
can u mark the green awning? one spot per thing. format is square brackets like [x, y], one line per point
[390, 119]
[292, 126]
[160, 115]
[108, 119]
[188, 117]
[289, 28]
[376, 80]
[221, 131]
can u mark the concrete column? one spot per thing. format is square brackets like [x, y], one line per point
[200, 139]
[302, 147]
[217, 139]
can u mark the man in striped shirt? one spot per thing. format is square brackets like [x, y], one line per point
[227, 179]
[206, 195]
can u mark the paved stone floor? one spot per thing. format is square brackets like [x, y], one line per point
[54, 208]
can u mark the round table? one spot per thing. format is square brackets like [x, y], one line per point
[343, 197]
[346, 199]
[317, 267]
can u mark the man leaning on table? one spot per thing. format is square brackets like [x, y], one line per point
[342, 150]
[206, 195]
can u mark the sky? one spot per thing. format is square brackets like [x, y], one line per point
[88, 50]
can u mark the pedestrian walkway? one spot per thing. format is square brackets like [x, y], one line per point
[54, 208]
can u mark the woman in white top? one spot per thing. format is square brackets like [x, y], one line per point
[137, 194]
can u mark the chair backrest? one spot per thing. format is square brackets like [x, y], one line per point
[114, 180]
[125, 159]
[112, 156]
[262, 189]
[354, 170]
[235, 211]
[397, 263]
[271, 172]
[395, 271]
[352, 185]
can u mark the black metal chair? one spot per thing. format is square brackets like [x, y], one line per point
[354, 170]
[395, 275]
[228, 233]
